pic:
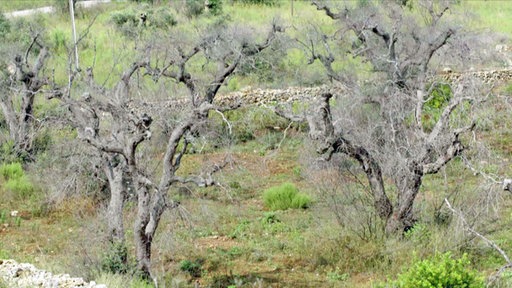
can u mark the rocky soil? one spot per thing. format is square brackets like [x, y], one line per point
[23, 275]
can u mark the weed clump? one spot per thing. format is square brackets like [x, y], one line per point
[11, 171]
[16, 181]
[285, 197]
[194, 268]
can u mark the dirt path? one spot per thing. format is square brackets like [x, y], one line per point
[50, 9]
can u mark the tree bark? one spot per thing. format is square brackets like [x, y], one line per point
[373, 173]
[115, 176]
[143, 240]
[408, 187]
[21, 121]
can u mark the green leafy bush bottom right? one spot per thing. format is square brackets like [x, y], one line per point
[443, 271]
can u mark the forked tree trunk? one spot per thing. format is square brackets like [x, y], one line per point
[403, 216]
[371, 168]
[381, 201]
[150, 210]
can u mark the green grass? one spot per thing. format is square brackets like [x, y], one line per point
[284, 197]
[494, 15]
[11, 171]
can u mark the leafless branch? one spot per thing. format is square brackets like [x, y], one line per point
[327, 10]
[474, 232]
[489, 242]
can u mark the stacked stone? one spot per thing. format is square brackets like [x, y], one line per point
[249, 96]
[487, 77]
[23, 275]
[257, 96]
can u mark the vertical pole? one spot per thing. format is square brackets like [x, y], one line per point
[72, 11]
[292, 7]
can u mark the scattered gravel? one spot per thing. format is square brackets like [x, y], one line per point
[23, 275]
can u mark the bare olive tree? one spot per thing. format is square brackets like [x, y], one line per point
[23, 79]
[116, 123]
[395, 117]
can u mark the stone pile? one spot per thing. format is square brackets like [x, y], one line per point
[23, 275]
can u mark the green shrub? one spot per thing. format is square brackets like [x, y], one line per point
[127, 16]
[162, 18]
[285, 197]
[115, 260]
[192, 267]
[433, 108]
[215, 7]
[195, 8]
[442, 271]
[128, 19]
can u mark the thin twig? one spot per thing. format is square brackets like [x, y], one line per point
[225, 120]
[485, 239]
[476, 172]
[284, 136]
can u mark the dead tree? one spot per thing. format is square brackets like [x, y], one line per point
[23, 81]
[388, 122]
[105, 119]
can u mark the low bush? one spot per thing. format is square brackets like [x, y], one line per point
[129, 19]
[195, 8]
[285, 197]
[115, 260]
[194, 268]
[127, 16]
[442, 271]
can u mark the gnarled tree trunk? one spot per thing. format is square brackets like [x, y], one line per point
[408, 186]
[116, 181]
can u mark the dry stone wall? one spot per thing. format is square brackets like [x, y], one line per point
[250, 96]
[486, 76]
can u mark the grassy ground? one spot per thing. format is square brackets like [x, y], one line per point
[226, 232]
